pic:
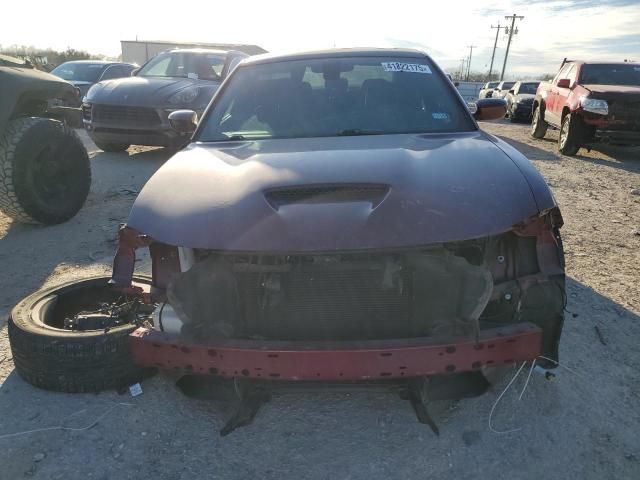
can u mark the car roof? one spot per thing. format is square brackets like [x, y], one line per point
[200, 50]
[602, 62]
[336, 53]
[100, 62]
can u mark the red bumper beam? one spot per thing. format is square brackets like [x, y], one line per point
[363, 360]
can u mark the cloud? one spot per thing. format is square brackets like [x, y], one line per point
[551, 29]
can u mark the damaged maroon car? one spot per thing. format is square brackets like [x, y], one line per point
[337, 217]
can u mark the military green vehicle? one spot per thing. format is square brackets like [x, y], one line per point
[45, 173]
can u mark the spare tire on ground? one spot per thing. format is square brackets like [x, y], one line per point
[45, 173]
[50, 356]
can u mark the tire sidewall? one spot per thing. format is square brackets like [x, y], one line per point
[571, 138]
[538, 124]
[40, 134]
[71, 361]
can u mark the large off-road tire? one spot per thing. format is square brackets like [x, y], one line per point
[45, 174]
[112, 147]
[53, 358]
[571, 134]
[538, 125]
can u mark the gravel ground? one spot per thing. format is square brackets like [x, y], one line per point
[583, 424]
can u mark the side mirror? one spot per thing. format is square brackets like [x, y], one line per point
[490, 109]
[135, 71]
[564, 83]
[456, 84]
[183, 121]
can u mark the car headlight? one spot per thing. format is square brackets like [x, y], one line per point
[594, 105]
[184, 97]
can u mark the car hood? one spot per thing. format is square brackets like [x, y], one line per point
[149, 91]
[435, 188]
[614, 92]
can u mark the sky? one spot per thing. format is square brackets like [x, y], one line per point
[550, 30]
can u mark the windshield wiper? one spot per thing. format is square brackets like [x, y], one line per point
[354, 132]
[236, 136]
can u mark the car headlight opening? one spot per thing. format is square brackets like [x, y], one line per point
[185, 96]
[594, 105]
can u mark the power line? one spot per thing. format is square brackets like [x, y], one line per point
[510, 31]
[495, 44]
[469, 64]
[461, 74]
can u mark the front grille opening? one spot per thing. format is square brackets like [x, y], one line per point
[317, 194]
[439, 291]
[124, 115]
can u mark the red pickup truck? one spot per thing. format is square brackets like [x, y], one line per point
[588, 103]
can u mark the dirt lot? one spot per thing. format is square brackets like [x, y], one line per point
[582, 425]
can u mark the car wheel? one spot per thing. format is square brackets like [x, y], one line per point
[512, 115]
[569, 138]
[112, 147]
[45, 174]
[538, 124]
[49, 356]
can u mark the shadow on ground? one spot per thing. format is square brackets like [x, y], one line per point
[623, 158]
[530, 151]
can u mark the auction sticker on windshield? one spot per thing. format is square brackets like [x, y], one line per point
[405, 67]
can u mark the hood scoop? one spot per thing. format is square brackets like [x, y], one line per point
[333, 193]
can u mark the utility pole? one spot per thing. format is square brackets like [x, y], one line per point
[511, 32]
[461, 74]
[495, 45]
[469, 64]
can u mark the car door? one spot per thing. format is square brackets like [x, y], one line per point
[551, 113]
[563, 93]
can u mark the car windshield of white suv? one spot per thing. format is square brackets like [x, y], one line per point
[195, 65]
[79, 72]
[614, 74]
[530, 88]
[335, 97]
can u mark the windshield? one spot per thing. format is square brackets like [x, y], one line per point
[528, 88]
[492, 84]
[196, 65]
[507, 85]
[627, 74]
[335, 96]
[79, 72]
